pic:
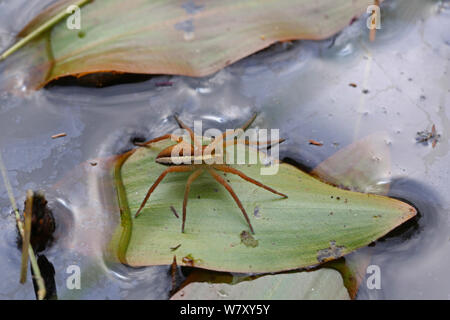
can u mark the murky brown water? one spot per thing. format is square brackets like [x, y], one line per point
[302, 88]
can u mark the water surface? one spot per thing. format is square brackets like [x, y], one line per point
[403, 87]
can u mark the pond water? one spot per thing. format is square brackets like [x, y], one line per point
[402, 87]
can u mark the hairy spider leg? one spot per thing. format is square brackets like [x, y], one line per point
[244, 127]
[178, 168]
[182, 125]
[226, 168]
[164, 137]
[250, 143]
[191, 179]
[213, 145]
[230, 190]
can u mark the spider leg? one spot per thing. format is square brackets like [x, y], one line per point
[225, 168]
[180, 168]
[164, 137]
[221, 139]
[249, 143]
[182, 125]
[243, 128]
[230, 190]
[191, 179]
[249, 122]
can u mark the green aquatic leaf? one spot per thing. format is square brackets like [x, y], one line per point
[362, 166]
[317, 223]
[182, 37]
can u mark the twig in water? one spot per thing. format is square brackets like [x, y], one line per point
[26, 236]
[33, 261]
[59, 135]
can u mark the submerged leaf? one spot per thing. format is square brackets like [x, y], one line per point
[363, 166]
[317, 223]
[324, 284]
[194, 38]
[352, 269]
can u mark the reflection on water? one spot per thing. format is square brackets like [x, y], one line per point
[401, 87]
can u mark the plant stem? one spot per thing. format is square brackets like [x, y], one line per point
[125, 215]
[37, 273]
[26, 236]
[41, 29]
[33, 261]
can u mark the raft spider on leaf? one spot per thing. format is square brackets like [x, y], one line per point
[195, 156]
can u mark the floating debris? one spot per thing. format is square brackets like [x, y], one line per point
[331, 253]
[315, 143]
[256, 212]
[188, 260]
[26, 235]
[174, 212]
[164, 84]
[42, 223]
[248, 240]
[59, 135]
[426, 136]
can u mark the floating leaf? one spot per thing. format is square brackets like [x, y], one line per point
[317, 223]
[339, 171]
[324, 284]
[183, 37]
[362, 166]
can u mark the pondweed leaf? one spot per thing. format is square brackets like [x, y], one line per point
[193, 38]
[317, 223]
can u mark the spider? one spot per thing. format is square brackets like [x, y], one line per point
[201, 161]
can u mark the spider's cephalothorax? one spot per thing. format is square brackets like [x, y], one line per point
[197, 157]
